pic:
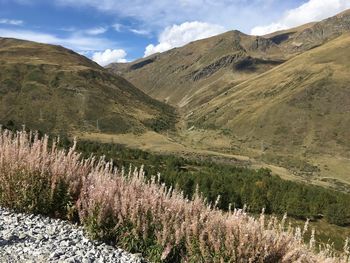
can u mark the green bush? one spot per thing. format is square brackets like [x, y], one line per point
[32, 192]
[338, 214]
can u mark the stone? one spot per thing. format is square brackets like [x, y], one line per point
[30, 238]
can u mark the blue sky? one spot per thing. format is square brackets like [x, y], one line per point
[123, 30]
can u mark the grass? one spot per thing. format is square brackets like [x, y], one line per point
[53, 89]
[326, 233]
[297, 110]
[45, 91]
[141, 215]
[198, 71]
[212, 145]
[186, 173]
[309, 89]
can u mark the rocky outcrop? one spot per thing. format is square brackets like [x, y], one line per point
[216, 66]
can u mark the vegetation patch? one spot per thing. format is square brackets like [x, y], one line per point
[141, 214]
[236, 186]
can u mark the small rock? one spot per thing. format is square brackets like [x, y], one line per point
[30, 238]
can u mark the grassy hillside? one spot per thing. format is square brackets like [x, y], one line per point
[310, 89]
[300, 108]
[194, 74]
[54, 89]
[281, 99]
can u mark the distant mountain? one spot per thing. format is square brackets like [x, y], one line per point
[52, 88]
[283, 97]
[311, 35]
[301, 106]
[194, 74]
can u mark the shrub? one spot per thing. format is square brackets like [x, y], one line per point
[34, 178]
[236, 185]
[337, 214]
[141, 215]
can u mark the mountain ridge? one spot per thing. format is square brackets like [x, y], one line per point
[196, 66]
[53, 88]
[201, 69]
[280, 98]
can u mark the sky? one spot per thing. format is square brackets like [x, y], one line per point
[109, 31]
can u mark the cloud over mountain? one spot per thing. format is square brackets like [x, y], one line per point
[109, 56]
[75, 41]
[179, 35]
[313, 10]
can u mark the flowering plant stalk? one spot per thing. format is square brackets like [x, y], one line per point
[141, 215]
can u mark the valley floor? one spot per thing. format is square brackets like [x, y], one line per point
[323, 170]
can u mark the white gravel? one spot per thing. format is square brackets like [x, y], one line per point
[29, 238]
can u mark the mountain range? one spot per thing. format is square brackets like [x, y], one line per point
[202, 69]
[281, 100]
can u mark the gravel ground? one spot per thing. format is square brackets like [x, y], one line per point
[29, 238]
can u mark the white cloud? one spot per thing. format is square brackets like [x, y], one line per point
[89, 46]
[77, 42]
[11, 22]
[109, 56]
[68, 29]
[313, 10]
[142, 32]
[118, 27]
[156, 15]
[96, 31]
[179, 35]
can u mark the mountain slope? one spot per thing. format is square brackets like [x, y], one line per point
[194, 74]
[301, 107]
[311, 35]
[52, 88]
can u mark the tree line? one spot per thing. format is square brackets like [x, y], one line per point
[236, 186]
